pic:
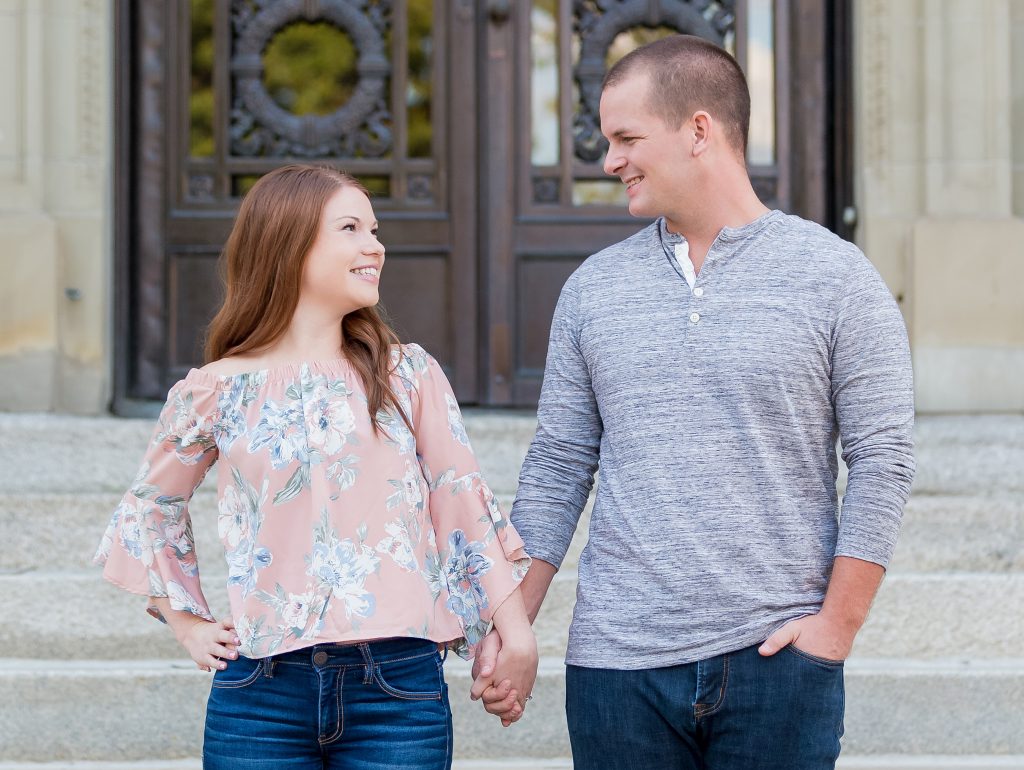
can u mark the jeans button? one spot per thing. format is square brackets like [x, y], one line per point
[321, 658]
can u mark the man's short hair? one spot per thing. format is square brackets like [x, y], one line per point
[686, 74]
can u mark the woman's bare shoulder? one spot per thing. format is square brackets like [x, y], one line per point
[230, 365]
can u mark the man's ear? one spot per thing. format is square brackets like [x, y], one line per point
[701, 128]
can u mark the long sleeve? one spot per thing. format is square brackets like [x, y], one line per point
[148, 546]
[482, 558]
[873, 397]
[558, 472]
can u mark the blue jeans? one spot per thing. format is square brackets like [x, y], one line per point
[738, 711]
[369, 706]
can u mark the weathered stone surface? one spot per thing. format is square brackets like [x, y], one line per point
[120, 711]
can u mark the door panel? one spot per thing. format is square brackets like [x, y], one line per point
[223, 91]
[548, 203]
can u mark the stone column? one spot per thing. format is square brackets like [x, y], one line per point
[55, 217]
[936, 191]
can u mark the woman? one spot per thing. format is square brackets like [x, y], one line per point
[360, 537]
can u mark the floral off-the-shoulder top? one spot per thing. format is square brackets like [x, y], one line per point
[331, 533]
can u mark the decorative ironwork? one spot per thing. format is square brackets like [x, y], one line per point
[360, 127]
[545, 189]
[598, 22]
[200, 187]
[420, 187]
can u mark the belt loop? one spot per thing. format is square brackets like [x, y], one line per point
[268, 664]
[444, 653]
[364, 649]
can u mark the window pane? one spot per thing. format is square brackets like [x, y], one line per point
[544, 82]
[310, 68]
[599, 193]
[419, 85]
[200, 103]
[761, 79]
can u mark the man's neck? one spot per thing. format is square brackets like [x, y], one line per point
[702, 224]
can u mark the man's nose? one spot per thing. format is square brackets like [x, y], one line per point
[612, 162]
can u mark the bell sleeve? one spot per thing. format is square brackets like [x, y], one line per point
[148, 547]
[482, 557]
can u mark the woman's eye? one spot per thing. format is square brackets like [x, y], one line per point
[349, 226]
[374, 232]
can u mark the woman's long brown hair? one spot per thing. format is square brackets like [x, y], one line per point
[275, 229]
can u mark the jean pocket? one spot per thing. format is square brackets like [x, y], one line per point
[814, 658]
[240, 672]
[420, 678]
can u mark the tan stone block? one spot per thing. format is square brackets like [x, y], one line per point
[11, 84]
[886, 242]
[962, 379]
[966, 279]
[28, 264]
[85, 270]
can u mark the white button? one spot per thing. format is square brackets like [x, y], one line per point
[698, 292]
[695, 317]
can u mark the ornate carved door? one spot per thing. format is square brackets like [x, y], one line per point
[474, 124]
[548, 202]
[218, 92]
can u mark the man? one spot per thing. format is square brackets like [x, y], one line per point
[706, 366]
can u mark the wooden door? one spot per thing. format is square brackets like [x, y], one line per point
[547, 203]
[473, 122]
[214, 93]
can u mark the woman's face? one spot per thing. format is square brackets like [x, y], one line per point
[342, 270]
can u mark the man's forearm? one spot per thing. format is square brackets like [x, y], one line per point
[535, 586]
[851, 589]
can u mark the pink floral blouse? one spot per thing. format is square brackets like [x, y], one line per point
[331, 533]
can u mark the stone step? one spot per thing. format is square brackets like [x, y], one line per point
[128, 711]
[941, 533]
[922, 616]
[76, 455]
[886, 762]
[38, 531]
[973, 455]
[915, 616]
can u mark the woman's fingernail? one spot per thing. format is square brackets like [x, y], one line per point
[222, 666]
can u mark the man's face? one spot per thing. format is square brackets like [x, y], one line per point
[646, 154]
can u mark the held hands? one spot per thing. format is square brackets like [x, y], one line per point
[818, 635]
[209, 644]
[504, 675]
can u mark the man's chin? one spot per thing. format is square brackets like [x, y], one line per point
[638, 209]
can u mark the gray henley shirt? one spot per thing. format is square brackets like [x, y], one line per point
[714, 413]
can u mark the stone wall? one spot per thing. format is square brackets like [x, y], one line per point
[56, 84]
[940, 189]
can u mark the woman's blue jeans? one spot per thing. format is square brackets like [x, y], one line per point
[369, 706]
[739, 711]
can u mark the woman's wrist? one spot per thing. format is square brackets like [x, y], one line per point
[522, 641]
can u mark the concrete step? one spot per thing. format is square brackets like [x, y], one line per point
[975, 455]
[75, 455]
[121, 711]
[41, 531]
[915, 616]
[941, 533]
[886, 762]
[923, 616]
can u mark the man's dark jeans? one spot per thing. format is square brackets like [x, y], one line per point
[739, 711]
